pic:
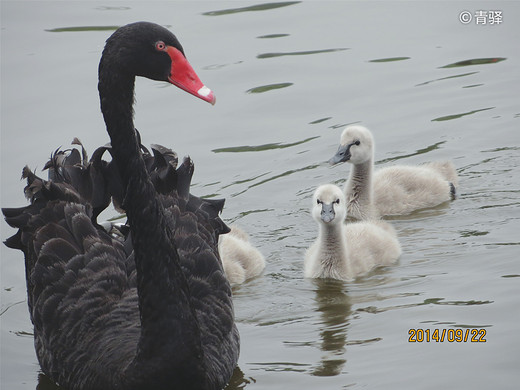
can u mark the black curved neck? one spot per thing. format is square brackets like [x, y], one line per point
[164, 303]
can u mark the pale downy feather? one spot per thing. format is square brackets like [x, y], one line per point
[241, 260]
[345, 251]
[394, 190]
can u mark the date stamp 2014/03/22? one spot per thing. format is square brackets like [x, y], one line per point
[447, 335]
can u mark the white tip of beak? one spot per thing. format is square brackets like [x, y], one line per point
[207, 94]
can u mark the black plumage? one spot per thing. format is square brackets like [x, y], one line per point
[152, 308]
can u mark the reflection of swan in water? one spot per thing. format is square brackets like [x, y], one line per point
[44, 383]
[335, 308]
[239, 380]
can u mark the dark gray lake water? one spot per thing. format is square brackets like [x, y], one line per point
[288, 77]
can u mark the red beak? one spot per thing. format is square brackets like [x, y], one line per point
[183, 76]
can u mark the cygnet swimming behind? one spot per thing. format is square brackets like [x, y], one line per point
[395, 190]
[240, 259]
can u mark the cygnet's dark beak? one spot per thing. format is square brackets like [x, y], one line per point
[327, 212]
[343, 154]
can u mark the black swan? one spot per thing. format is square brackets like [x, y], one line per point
[155, 314]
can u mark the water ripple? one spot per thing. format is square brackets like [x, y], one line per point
[220, 66]
[261, 148]
[248, 212]
[251, 8]
[269, 87]
[474, 61]
[237, 182]
[282, 366]
[427, 149]
[83, 28]
[457, 116]
[472, 233]
[300, 53]
[449, 77]
[269, 36]
[108, 8]
[320, 120]
[428, 301]
[284, 174]
[7, 307]
[275, 177]
[22, 333]
[390, 59]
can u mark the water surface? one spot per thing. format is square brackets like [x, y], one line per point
[288, 77]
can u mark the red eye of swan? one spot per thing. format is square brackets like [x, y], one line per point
[160, 46]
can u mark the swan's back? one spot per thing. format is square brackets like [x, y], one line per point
[371, 244]
[241, 260]
[402, 189]
[80, 291]
[197, 230]
[446, 169]
[81, 281]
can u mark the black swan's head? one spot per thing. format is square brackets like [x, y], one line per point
[151, 51]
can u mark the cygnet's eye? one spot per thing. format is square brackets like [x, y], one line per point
[357, 142]
[336, 201]
[160, 46]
